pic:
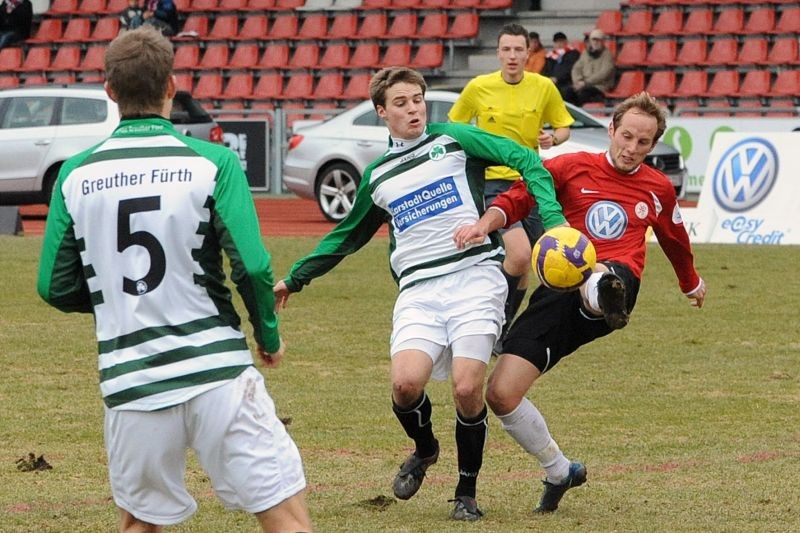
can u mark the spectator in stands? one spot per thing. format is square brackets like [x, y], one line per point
[593, 73]
[16, 18]
[132, 16]
[163, 15]
[559, 61]
[537, 55]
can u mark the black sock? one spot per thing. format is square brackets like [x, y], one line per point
[470, 440]
[416, 422]
[513, 300]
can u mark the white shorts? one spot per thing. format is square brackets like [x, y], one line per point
[244, 448]
[441, 310]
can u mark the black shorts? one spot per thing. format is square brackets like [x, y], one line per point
[555, 324]
[532, 224]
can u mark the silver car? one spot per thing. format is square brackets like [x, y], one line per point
[326, 159]
[41, 127]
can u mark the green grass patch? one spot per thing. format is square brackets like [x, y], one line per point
[687, 420]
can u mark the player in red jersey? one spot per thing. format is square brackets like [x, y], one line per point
[613, 198]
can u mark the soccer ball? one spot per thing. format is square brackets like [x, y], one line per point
[563, 258]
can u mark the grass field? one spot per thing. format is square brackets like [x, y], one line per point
[687, 420]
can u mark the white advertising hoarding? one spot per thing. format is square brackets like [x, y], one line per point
[751, 191]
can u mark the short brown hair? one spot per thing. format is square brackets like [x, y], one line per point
[138, 66]
[387, 77]
[647, 105]
[513, 28]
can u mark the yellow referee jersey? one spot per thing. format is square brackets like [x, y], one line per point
[517, 111]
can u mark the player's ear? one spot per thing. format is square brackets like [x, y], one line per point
[109, 91]
[381, 111]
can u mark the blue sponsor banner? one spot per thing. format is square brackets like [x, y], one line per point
[429, 201]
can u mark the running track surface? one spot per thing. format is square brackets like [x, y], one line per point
[278, 217]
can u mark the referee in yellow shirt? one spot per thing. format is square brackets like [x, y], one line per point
[516, 104]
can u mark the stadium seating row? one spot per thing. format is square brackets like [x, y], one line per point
[701, 21]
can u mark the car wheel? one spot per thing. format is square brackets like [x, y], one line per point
[336, 190]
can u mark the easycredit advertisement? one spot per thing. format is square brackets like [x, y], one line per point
[751, 194]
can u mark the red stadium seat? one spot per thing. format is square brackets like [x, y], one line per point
[724, 51]
[9, 82]
[429, 55]
[245, 56]
[184, 81]
[465, 25]
[306, 55]
[784, 51]
[789, 21]
[633, 52]
[724, 83]
[284, 26]
[36, 59]
[77, 30]
[232, 5]
[405, 4]
[661, 84]
[64, 78]
[365, 55]
[255, 27]
[269, 86]
[693, 52]
[225, 27]
[753, 51]
[275, 56]
[357, 87]
[662, 52]
[203, 5]
[186, 56]
[195, 23]
[609, 21]
[299, 86]
[114, 7]
[49, 31]
[330, 86]
[787, 83]
[397, 54]
[638, 22]
[761, 20]
[343, 26]
[239, 85]
[63, 7]
[403, 26]
[376, 4]
[10, 59]
[259, 5]
[433, 26]
[209, 86]
[755, 83]
[67, 58]
[288, 5]
[669, 22]
[92, 7]
[699, 22]
[105, 30]
[35, 79]
[315, 26]
[730, 20]
[93, 58]
[630, 82]
[214, 57]
[336, 55]
[693, 84]
[373, 26]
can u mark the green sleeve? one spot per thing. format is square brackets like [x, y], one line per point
[240, 236]
[503, 151]
[61, 281]
[353, 232]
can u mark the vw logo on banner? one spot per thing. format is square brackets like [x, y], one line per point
[745, 174]
[606, 220]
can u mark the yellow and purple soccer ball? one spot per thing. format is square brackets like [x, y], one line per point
[563, 258]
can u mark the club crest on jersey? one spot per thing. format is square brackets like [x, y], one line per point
[141, 287]
[745, 174]
[641, 210]
[606, 220]
[437, 152]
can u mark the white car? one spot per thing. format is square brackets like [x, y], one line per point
[41, 127]
[326, 159]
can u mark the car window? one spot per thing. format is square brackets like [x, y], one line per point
[83, 111]
[29, 112]
[370, 118]
[437, 110]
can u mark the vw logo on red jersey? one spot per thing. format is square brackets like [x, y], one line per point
[606, 220]
[745, 174]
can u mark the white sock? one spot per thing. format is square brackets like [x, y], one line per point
[592, 301]
[527, 426]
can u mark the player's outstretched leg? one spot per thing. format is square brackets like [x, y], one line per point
[417, 424]
[611, 297]
[553, 493]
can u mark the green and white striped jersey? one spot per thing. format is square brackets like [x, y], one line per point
[425, 189]
[134, 234]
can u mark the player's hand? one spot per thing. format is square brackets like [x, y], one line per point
[281, 292]
[272, 360]
[698, 296]
[470, 234]
[545, 140]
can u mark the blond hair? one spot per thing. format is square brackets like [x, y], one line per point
[647, 105]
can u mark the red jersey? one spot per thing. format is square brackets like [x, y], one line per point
[614, 210]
